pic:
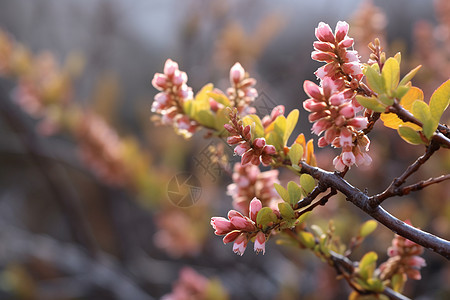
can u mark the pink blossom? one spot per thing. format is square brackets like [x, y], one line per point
[236, 73]
[255, 207]
[221, 225]
[260, 242]
[240, 244]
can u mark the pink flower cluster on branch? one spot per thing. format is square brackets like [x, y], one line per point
[240, 229]
[254, 152]
[332, 49]
[331, 104]
[249, 182]
[403, 259]
[169, 102]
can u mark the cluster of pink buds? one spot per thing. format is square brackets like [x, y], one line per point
[242, 92]
[250, 182]
[240, 229]
[333, 113]
[254, 152]
[332, 49]
[403, 259]
[169, 102]
[276, 111]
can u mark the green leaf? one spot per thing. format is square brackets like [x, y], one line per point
[375, 284]
[280, 127]
[317, 230]
[391, 74]
[220, 98]
[409, 135]
[206, 118]
[421, 111]
[221, 119]
[307, 239]
[273, 138]
[295, 154]
[295, 192]
[308, 183]
[398, 57]
[397, 282]
[286, 210]
[401, 91]
[374, 80]
[367, 228]
[255, 123]
[370, 103]
[385, 100]
[291, 122]
[265, 217]
[367, 265]
[410, 75]
[303, 217]
[282, 192]
[439, 101]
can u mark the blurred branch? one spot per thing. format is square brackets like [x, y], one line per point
[51, 173]
[19, 245]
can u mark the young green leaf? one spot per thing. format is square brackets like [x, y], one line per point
[409, 135]
[265, 217]
[282, 192]
[303, 217]
[307, 182]
[374, 80]
[421, 111]
[291, 122]
[439, 101]
[391, 74]
[256, 125]
[371, 103]
[367, 228]
[409, 76]
[220, 98]
[206, 118]
[307, 239]
[295, 192]
[295, 154]
[286, 210]
[367, 265]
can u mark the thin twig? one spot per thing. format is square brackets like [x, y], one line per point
[397, 182]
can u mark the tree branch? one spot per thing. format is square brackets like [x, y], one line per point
[392, 189]
[362, 201]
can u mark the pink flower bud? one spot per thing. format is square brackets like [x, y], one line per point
[346, 42]
[241, 148]
[221, 225]
[237, 73]
[320, 126]
[260, 242]
[229, 128]
[322, 142]
[359, 123]
[169, 67]
[323, 56]
[231, 237]
[312, 89]
[348, 158]
[255, 207]
[233, 140]
[251, 92]
[255, 160]
[341, 30]
[159, 81]
[325, 47]
[246, 132]
[161, 98]
[352, 56]
[259, 142]
[242, 223]
[330, 134]
[240, 244]
[346, 137]
[347, 111]
[266, 160]
[269, 150]
[353, 68]
[312, 105]
[247, 157]
[318, 115]
[277, 111]
[336, 99]
[179, 77]
[324, 33]
[234, 213]
[338, 164]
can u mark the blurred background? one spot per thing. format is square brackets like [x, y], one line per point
[87, 207]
